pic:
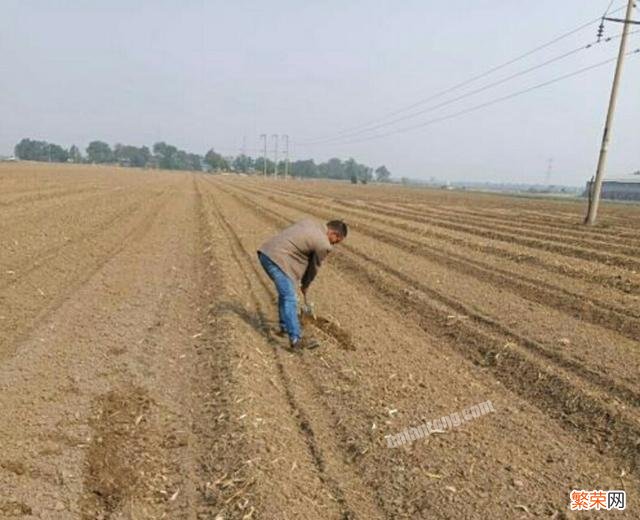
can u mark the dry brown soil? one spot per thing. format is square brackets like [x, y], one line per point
[139, 379]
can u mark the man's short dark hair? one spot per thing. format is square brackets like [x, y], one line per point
[339, 227]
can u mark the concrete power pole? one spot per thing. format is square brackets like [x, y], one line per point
[264, 154]
[275, 156]
[596, 185]
[286, 156]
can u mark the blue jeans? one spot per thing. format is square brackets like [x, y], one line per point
[287, 301]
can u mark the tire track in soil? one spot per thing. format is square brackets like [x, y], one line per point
[614, 282]
[579, 369]
[81, 279]
[218, 441]
[618, 319]
[242, 258]
[577, 404]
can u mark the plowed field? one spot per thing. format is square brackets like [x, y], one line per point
[139, 377]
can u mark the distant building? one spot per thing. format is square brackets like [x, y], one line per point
[620, 188]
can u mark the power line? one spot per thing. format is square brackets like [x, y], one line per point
[609, 7]
[465, 82]
[471, 93]
[488, 103]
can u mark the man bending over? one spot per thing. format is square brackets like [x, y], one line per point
[293, 257]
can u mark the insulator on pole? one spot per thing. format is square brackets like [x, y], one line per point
[600, 30]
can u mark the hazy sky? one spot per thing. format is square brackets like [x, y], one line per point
[202, 73]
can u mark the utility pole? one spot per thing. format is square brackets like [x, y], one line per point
[596, 185]
[264, 154]
[275, 156]
[286, 156]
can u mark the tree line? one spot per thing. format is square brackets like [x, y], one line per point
[334, 168]
[168, 157]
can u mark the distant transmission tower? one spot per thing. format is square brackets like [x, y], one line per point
[275, 156]
[549, 170]
[264, 154]
[285, 137]
[243, 153]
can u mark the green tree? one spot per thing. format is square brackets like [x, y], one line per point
[165, 155]
[127, 155]
[194, 161]
[57, 154]
[336, 169]
[242, 163]
[365, 174]
[382, 174]
[74, 154]
[169, 157]
[30, 150]
[181, 160]
[351, 170]
[215, 160]
[99, 152]
[259, 166]
[305, 168]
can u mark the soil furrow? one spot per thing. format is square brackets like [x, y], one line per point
[242, 257]
[582, 410]
[624, 281]
[620, 319]
[578, 364]
[50, 302]
[534, 382]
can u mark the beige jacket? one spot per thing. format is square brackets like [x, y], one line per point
[299, 250]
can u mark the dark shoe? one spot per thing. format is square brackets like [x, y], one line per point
[277, 331]
[281, 333]
[305, 343]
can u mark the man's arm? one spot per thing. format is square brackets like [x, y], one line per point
[315, 261]
[311, 271]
